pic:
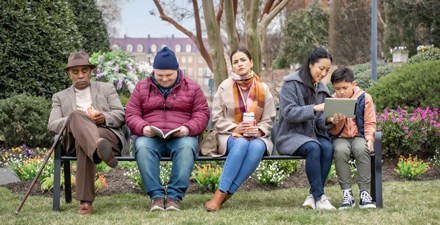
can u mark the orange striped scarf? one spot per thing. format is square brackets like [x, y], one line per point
[254, 101]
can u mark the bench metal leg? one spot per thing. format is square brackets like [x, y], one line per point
[67, 182]
[56, 181]
[378, 195]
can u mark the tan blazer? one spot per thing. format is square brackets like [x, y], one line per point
[104, 99]
[223, 115]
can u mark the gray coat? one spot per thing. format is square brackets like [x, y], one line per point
[298, 123]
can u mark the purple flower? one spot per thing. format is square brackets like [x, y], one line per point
[100, 58]
[116, 69]
[119, 86]
[109, 63]
[406, 136]
[99, 75]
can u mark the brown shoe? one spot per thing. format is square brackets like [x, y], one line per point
[172, 205]
[157, 204]
[105, 153]
[216, 201]
[228, 196]
[85, 208]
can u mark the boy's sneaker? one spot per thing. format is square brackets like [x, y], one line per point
[348, 199]
[366, 202]
[309, 202]
[157, 204]
[324, 203]
[172, 205]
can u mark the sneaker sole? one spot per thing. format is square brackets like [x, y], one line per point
[171, 208]
[347, 207]
[156, 209]
[369, 206]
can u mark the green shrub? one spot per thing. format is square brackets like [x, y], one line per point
[36, 38]
[412, 85]
[23, 120]
[431, 54]
[363, 78]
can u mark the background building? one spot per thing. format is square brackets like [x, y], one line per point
[190, 60]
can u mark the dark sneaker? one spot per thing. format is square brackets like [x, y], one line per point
[172, 205]
[348, 199]
[157, 204]
[366, 202]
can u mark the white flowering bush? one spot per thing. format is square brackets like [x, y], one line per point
[136, 179]
[274, 172]
[119, 68]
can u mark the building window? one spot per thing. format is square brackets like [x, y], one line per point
[190, 71]
[153, 48]
[183, 59]
[190, 59]
[178, 48]
[139, 48]
[115, 46]
[200, 72]
[188, 48]
[200, 59]
[129, 48]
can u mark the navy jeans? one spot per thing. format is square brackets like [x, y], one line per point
[318, 162]
[148, 152]
[242, 160]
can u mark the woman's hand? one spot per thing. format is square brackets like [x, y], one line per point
[241, 128]
[253, 131]
[319, 108]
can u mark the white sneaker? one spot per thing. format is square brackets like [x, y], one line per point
[324, 203]
[309, 203]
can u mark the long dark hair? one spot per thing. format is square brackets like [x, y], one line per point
[304, 73]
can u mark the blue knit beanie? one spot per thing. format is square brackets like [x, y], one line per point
[165, 59]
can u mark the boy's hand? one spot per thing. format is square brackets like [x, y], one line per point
[338, 118]
[370, 145]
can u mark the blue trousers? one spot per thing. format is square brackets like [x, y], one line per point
[148, 152]
[318, 162]
[242, 160]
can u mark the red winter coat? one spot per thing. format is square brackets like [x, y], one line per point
[185, 105]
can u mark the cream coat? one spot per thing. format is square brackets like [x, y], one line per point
[223, 115]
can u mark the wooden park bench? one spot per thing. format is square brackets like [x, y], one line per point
[61, 160]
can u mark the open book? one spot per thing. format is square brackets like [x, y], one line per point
[160, 133]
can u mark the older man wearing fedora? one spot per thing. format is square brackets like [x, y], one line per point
[94, 117]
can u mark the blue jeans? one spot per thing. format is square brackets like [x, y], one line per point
[318, 162]
[242, 160]
[148, 152]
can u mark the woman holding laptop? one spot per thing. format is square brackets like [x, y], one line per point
[302, 126]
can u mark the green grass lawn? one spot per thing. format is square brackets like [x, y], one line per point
[415, 202]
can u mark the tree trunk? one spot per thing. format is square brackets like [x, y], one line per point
[231, 30]
[252, 39]
[215, 42]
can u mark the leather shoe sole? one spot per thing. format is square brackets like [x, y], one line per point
[105, 153]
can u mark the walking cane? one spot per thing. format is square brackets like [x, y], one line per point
[48, 154]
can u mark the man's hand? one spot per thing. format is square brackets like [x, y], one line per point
[96, 116]
[183, 132]
[146, 131]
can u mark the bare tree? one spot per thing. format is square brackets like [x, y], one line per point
[256, 23]
[111, 13]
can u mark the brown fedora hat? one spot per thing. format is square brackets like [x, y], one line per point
[79, 59]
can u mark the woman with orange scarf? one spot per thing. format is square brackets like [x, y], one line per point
[244, 142]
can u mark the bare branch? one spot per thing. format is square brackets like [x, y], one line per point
[220, 11]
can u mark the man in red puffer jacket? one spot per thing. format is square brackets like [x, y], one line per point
[167, 102]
